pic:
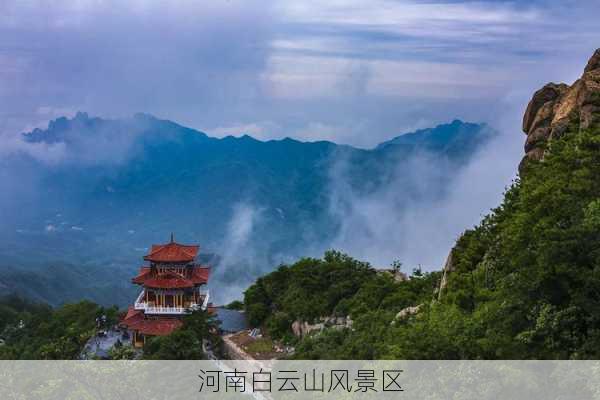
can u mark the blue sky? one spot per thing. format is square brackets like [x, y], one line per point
[356, 72]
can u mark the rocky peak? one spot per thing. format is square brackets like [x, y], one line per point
[555, 106]
[594, 62]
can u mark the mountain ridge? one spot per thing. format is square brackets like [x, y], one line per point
[116, 186]
[437, 133]
[38, 135]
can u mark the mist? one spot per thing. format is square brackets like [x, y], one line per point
[239, 262]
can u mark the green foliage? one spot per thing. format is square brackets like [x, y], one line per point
[35, 331]
[235, 305]
[279, 325]
[182, 344]
[186, 342]
[306, 290]
[337, 285]
[124, 352]
[530, 273]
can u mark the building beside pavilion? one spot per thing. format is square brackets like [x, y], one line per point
[173, 285]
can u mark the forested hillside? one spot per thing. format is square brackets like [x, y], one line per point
[524, 283]
[335, 287]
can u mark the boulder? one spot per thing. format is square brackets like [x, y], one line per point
[555, 107]
[407, 312]
[303, 328]
[548, 93]
[536, 137]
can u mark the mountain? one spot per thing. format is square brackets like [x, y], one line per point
[455, 134]
[89, 195]
[522, 284]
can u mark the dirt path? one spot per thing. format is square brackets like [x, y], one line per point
[234, 351]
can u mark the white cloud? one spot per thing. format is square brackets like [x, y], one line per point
[48, 153]
[424, 19]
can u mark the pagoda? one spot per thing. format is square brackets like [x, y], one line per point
[173, 285]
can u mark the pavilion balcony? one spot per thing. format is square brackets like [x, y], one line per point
[153, 308]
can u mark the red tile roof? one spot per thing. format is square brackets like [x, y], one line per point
[168, 280]
[133, 317]
[142, 276]
[155, 326]
[172, 252]
[171, 280]
[200, 275]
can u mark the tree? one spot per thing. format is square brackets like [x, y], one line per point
[185, 343]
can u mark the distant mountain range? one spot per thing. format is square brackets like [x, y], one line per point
[442, 138]
[87, 196]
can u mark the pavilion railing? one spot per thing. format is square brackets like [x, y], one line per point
[140, 304]
[165, 310]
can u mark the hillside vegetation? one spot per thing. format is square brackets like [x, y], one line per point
[525, 282]
[336, 285]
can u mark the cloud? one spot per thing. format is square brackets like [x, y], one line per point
[48, 153]
[240, 64]
[240, 227]
[239, 261]
[115, 58]
[408, 219]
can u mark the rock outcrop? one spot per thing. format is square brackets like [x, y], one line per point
[448, 268]
[397, 275]
[303, 328]
[555, 106]
[407, 312]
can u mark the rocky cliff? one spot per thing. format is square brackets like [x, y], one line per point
[555, 106]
